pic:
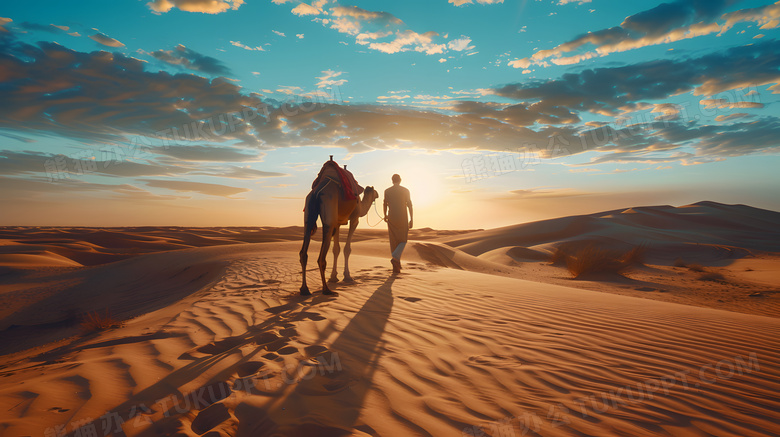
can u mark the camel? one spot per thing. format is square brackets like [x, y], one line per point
[327, 202]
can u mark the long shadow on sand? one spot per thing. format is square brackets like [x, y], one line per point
[295, 408]
[301, 409]
[166, 396]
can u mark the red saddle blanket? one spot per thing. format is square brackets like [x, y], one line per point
[349, 186]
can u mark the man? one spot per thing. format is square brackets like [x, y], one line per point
[397, 200]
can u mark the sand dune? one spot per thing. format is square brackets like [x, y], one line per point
[705, 231]
[215, 341]
[95, 246]
[431, 352]
[726, 247]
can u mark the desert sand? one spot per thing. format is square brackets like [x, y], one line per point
[479, 335]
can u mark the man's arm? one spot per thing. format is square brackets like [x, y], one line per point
[384, 208]
[411, 212]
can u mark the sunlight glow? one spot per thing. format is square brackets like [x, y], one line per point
[425, 187]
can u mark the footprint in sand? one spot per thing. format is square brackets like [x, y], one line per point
[201, 398]
[410, 299]
[325, 357]
[187, 356]
[265, 337]
[220, 346]
[276, 346]
[209, 418]
[338, 385]
[288, 332]
[314, 350]
[281, 308]
[58, 409]
[310, 315]
[366, 429]
[248, 368]
[288, 350]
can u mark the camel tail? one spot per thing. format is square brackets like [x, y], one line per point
[311, 211]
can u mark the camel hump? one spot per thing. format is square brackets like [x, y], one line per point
[350, 189]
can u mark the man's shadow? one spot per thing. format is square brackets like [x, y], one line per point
[328, 401]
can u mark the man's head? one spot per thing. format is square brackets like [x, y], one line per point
[396, 179]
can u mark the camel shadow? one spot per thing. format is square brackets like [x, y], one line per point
[327, 401]
[296, 407]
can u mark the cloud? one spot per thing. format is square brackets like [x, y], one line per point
[246, 47]
[547, 193]
[50, 28]
[737, 139]
[299, 35]
[24, 162]
[203, 6]
[361, 14]
[482, 2]
[520, 63]
[460, 44]
[725, 104]
[3, 22]
[670, 141]
[108, 98]
[17, 137]
[288, 89]
[410, 40]
[584, 170]
[15, 163]
[25, 190]
[767, 17]
[42, 166]
[327, 79]
[663, 24]
[184, 57]
[668, 111]
[106, 40]
[614, 89]
[279, 33]
[305, 9]
[394, 97]
[234, 172]
[732, 116]
[579, 2]
[381, 31]
[209, 153]
[197, 187]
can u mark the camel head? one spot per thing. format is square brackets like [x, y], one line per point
[370, 194]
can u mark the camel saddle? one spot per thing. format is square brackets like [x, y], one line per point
[346, 181]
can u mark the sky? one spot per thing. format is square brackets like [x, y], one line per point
[494, 112]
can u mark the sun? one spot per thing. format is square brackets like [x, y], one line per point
[425, 186]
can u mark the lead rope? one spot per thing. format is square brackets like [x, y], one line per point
[377, 214]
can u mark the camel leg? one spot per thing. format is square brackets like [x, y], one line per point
[334, 277]
[304, 257]
[327, 234]
[348, 249]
